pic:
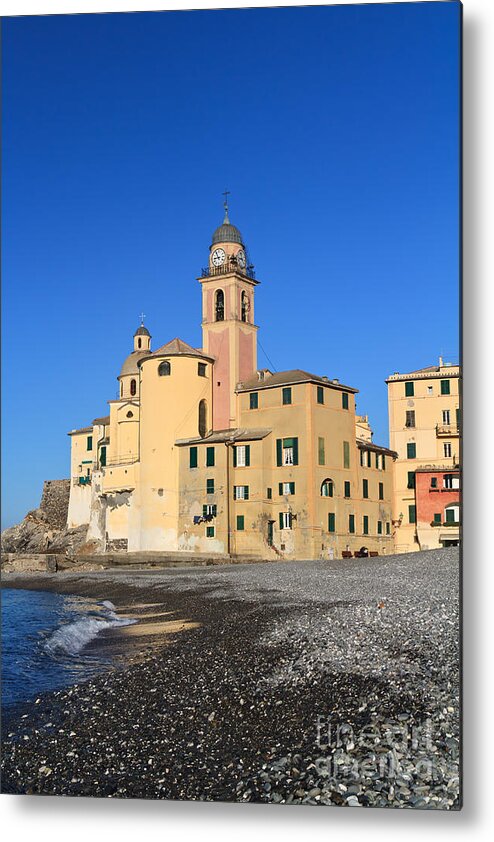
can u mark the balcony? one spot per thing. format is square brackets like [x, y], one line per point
[227, 268]
[123, 459]
[447, 430]
[81, 480]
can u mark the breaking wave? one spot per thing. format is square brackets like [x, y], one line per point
[70, 638]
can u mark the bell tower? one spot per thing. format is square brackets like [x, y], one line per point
[228, 330]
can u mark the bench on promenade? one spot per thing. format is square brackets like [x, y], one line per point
[346, 554]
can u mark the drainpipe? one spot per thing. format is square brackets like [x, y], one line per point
[228, 444]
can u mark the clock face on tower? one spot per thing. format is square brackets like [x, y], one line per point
[218, 257]
[241, 258]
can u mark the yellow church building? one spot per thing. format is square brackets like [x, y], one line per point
[202, 452]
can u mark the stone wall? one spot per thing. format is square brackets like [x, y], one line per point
[55, 502]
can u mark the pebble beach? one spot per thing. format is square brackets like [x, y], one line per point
[318, 683]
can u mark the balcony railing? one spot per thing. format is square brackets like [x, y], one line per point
[124, 459]
[228, 267]
[447, 430]
[81, 480]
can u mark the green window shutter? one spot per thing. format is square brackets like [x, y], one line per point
[388, 528]
[347, 488]
[409, 389]
[320, 394]
[210, 457]
[292, 488]
[280, 488]
[102, 456]
[450, 516]
[269, 493]
[384, 462]
[295, 451]
[234, 456]
[321, 454]
[209, 531]
[377, 460]
[346, 454]
[411, 450]
[437, 518]
[381, 491]
[411, 514]
[246, 492]
[279, 452]
[281, 520]
[193, 457]
[344, 400]
[240, 523]
[286, 395]
[365, 488]
[331, 522]
[411, 479]
[89, 443]
[215, 510]
[379, 527]
[247, 455]
[204, 511]
[445, 390]
[458, 417]
[210, 486]
[366, 525]
[351, 523]
[254, 400]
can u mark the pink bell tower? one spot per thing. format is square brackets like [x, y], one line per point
[228, 329]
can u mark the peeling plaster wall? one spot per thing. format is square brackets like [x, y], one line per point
[79, 506]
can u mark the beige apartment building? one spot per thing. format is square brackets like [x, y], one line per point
[202, 452]
[424, 430]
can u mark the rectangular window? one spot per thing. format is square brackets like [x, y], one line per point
[285, 520]
[240, 523]
[201, 369]
[347, 488]
[366, 458]
[240, 492]
[320, 394]
[450, 516]
[410, 418]
[208, 509]
[411, 479]
[447, 449]
[331, 522]
[209, 531]
[445, 387]
[437, 518]
[210, 486]
[388, 528]
[411, 514]
[254, 400]
[269, 493]
[286, 395]
[433, 482]
[320, 451]
[446, 416]
[458, 417]
[89, 445]
[351, 524]
[365, 488]
[193, 457]
[409, 390]
[210, 457]
[287, 451]
[411, 450]
[346, 454]
[365, 525]
[102, 456]
[344, 400]
[286, 488]
[379, 527]
[241, 456]
[383, 462]
[381, 491]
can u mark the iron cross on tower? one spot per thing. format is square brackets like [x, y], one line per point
[142, 317]
[225, 203]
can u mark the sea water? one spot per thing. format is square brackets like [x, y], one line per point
[44, 641]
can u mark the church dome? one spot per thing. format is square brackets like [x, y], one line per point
[142, 331]
[130, 364]
[227, 233]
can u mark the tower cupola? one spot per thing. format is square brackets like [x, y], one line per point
[142, 337]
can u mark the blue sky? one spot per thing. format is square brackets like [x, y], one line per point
[334, 128]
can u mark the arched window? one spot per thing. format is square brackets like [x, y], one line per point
[139, 342]
[327, 488]
[245, 306]
[133, 387]
[164, 368]
[203, 418]
[452, 514]
[220, 306]
[130, 415]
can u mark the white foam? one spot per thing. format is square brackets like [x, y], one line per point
[72, 637]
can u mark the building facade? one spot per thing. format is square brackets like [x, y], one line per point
[424, 430]
[202, 452]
